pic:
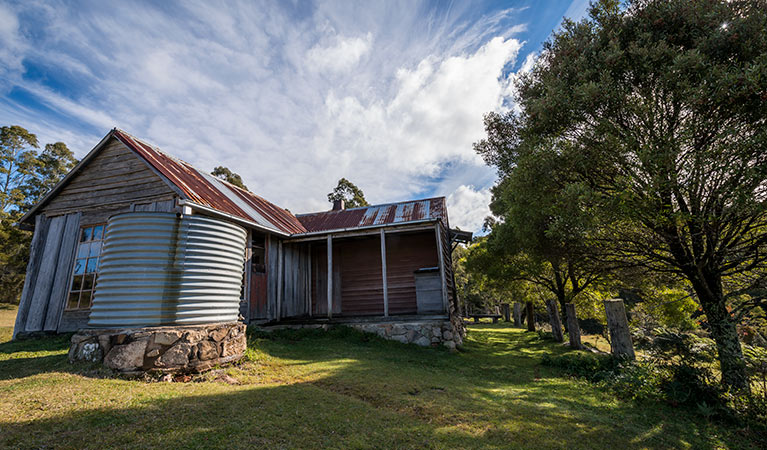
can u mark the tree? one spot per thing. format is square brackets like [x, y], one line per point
[25, 177]
[229, 176]
[18, 158]
[658, 110]
[349, 193]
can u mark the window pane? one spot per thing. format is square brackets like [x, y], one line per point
[77, 282]
[95, 249]
[98, 231]
[82, 250]
[80, 266]
[93, 265]
[87, 234]
[72, 301]
[88, 282]
[85, 300]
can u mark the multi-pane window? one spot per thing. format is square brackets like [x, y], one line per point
[86, 267]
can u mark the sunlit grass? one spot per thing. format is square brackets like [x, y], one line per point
[338, 389]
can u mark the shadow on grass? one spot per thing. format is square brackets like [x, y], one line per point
[348, 389]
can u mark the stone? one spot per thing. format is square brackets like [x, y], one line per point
[127, 357]
[423, 341]
[219, 334]
[167, 337]
[447, 335]
[105, 342]
[207, 350]
[450, 345]
[410, 336]
[176, 356]
[195, 336]
[153, 353]
[119, 339]
[233, 347]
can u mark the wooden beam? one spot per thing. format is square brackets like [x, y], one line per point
[248, 267]
[280, 271]
[309, 266]
[443, 281]
[372, 231]
[383, 274]
[330, 276]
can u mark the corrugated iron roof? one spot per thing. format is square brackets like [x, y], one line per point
[207, 190]
[367, 216]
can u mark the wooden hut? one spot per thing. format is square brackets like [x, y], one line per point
[384, 268]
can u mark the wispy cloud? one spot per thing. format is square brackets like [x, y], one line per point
[292, 96]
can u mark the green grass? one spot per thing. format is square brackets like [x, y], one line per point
[340, 389]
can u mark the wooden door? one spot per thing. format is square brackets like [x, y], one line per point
[258, 278]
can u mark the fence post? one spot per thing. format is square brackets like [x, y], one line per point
[620, 336]
[517, 314]
[556, 324]
[506, 312]
[530, 316]
[573, 329]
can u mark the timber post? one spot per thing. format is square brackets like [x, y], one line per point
[620, 336]
[573, 329]
[556, 324]
[530, 316]
[517, 314]
[383, 274]
[506, 312]
[330, 276]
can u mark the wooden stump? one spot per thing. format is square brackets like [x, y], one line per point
[556, 324]
[530, 316]
[620, 336]
[572, 327]
[517, 314]
[506, 312]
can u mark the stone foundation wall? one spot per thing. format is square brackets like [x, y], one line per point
[191, 348]
[424, 333]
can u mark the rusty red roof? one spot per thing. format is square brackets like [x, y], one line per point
[370, 216]
[206, 190]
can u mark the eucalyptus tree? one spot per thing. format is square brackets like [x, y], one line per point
[659, 112]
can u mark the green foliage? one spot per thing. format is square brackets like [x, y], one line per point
[229, 176]
[347, 191]
[26, 175]
[654, 115]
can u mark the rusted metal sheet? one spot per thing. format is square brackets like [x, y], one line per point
[206, 190]
[370, 216]
[406, 253]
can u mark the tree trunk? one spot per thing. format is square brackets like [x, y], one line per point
[517, 314]
[573, 329]
[562, 309]
[530, 316]
[724, 333]
[620, 336]
[506, 308]
[556, 325]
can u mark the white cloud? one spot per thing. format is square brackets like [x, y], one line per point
[342, 56]
[11, 44]
[468, 207]
[388, 95]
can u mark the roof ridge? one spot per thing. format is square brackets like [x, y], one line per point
[371, 206]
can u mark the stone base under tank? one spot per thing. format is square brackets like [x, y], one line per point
[191, 348]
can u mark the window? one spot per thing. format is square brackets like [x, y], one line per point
[86, 267]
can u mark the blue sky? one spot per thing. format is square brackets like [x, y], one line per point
[291, 95]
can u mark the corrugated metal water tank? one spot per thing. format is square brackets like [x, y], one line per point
[159, 269]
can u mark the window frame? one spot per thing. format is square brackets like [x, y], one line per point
[85, 240]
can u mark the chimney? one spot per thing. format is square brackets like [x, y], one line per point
[338, 205]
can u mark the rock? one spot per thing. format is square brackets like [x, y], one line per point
[219, 334]
[90, 351]
[423, 341]
[153, 353]
[448, 336]
[400, 338]
[234, 347]
[119, 339]
[105, 343]
[167, 337]
[176, 356]
[126, 357]
[410, 336]
[207, 350]
[450, 345]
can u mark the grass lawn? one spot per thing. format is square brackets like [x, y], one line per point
[338, 390]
